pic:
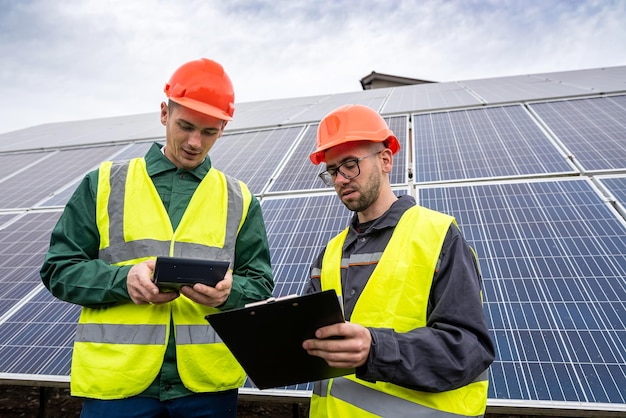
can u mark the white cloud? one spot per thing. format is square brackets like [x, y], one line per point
[88, 59]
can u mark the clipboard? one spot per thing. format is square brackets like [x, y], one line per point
[266, 338]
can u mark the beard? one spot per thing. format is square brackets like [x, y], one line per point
[367, 194]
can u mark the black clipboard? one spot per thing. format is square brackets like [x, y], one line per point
[266, 338]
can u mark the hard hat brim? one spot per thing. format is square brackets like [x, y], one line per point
[202, 107]
[318, 156]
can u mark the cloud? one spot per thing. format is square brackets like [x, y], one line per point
[80, 59]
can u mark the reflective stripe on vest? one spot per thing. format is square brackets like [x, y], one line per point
[380, 403]
[144, 334]
[380, 306]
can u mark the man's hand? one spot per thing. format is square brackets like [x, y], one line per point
[141, 288]
[210, 296]
[350, 350]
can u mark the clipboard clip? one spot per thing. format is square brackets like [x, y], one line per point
[270, 300]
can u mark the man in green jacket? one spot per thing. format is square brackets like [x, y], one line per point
[140, 350]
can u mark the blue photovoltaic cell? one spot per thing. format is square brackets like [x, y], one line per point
[593, 130]
[482, 143]
[38, 339]
[399, 127]
[135, 150]
[13, 163]
[60, 197]
[617, 187]
[252, 157]
[6, 217]
[553, 259]
[22, 246]
[51, 173]
[300, 174]
[297, 230]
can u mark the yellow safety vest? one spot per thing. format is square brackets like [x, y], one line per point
[119, 349]
[396, 296]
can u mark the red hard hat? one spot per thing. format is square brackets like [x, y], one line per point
[352, 123]
[204, 86]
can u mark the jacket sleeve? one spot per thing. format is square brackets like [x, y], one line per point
[455, 347]
[252, 272]
[71, 269]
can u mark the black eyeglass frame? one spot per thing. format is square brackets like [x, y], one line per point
[328, 175]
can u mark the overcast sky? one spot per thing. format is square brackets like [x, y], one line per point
[81, 59]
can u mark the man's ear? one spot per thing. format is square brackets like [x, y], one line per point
[164, 113]
[386, 158]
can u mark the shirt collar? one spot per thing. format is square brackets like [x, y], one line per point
[388, 219]
[157, 162]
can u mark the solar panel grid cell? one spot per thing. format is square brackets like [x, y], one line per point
[253, 157]
[22, 246]
[299, 173]
[398, 174]
[594, 130]
[13, 163]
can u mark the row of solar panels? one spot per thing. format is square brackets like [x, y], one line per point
[546, 218]
[305, 110]
[552, 138]
[553, 257]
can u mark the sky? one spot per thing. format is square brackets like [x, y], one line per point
[85, 59]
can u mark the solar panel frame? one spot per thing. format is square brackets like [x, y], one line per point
[616, 187]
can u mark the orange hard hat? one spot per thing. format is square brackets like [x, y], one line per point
[352, 123]
[204, 86]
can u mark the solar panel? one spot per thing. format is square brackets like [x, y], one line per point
[298, 172]
[10, 164]
[428, 96]
[399, 173]
[482, 143]
[553, 259]
[593, 130]
[523, 87]
[37, 182]
[253, 157]
[23, 243]
[599, 80]
[372, 98]
[39, 338]
[61, 196]
[297, 230]
[6, 217]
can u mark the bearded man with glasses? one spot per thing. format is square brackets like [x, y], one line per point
[415, 329]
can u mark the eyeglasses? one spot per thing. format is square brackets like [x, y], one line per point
[348, 169]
